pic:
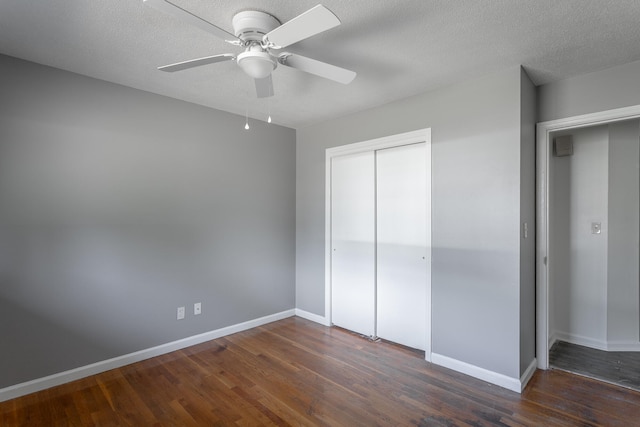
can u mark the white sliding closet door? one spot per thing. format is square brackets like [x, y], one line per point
[402, 265]
[353, 242]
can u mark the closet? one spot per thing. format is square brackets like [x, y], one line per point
[379, 241]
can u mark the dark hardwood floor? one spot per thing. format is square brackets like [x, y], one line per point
[296, 372]
[616, 367]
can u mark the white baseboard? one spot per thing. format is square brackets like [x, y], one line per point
[528, 373]
[623, 346]
[552, 339]
[626, 345]
[513, 384]
[581, 340]
[117, 362]
[313, 317]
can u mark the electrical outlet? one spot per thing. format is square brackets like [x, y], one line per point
[180, 313]
[197, 308]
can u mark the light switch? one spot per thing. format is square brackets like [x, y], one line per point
[596, 228]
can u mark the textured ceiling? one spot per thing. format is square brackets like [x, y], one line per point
[398, 48]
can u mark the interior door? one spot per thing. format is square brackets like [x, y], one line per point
[353, 242]
[402, 264]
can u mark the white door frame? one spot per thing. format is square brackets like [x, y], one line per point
[422, 135]
[544, 153]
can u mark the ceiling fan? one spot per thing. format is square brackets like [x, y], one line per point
[262, 36]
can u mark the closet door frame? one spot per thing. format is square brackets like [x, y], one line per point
[418, 136]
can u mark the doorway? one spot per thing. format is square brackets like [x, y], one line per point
[588, 296]
[378, 238]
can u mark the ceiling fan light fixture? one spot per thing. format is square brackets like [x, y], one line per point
[256, 64]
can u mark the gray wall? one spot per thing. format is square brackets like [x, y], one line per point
[476, 172]
[117, 206]
[579, 197]
[623, 292]
[528, 121]
[590, 93]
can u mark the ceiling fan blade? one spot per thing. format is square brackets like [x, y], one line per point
[174, 10]
[319, 68]
[264, 87]
[179, 66]
[310, 23]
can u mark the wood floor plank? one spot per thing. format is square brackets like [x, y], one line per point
[296, 372]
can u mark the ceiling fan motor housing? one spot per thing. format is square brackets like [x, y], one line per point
[252, 25]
